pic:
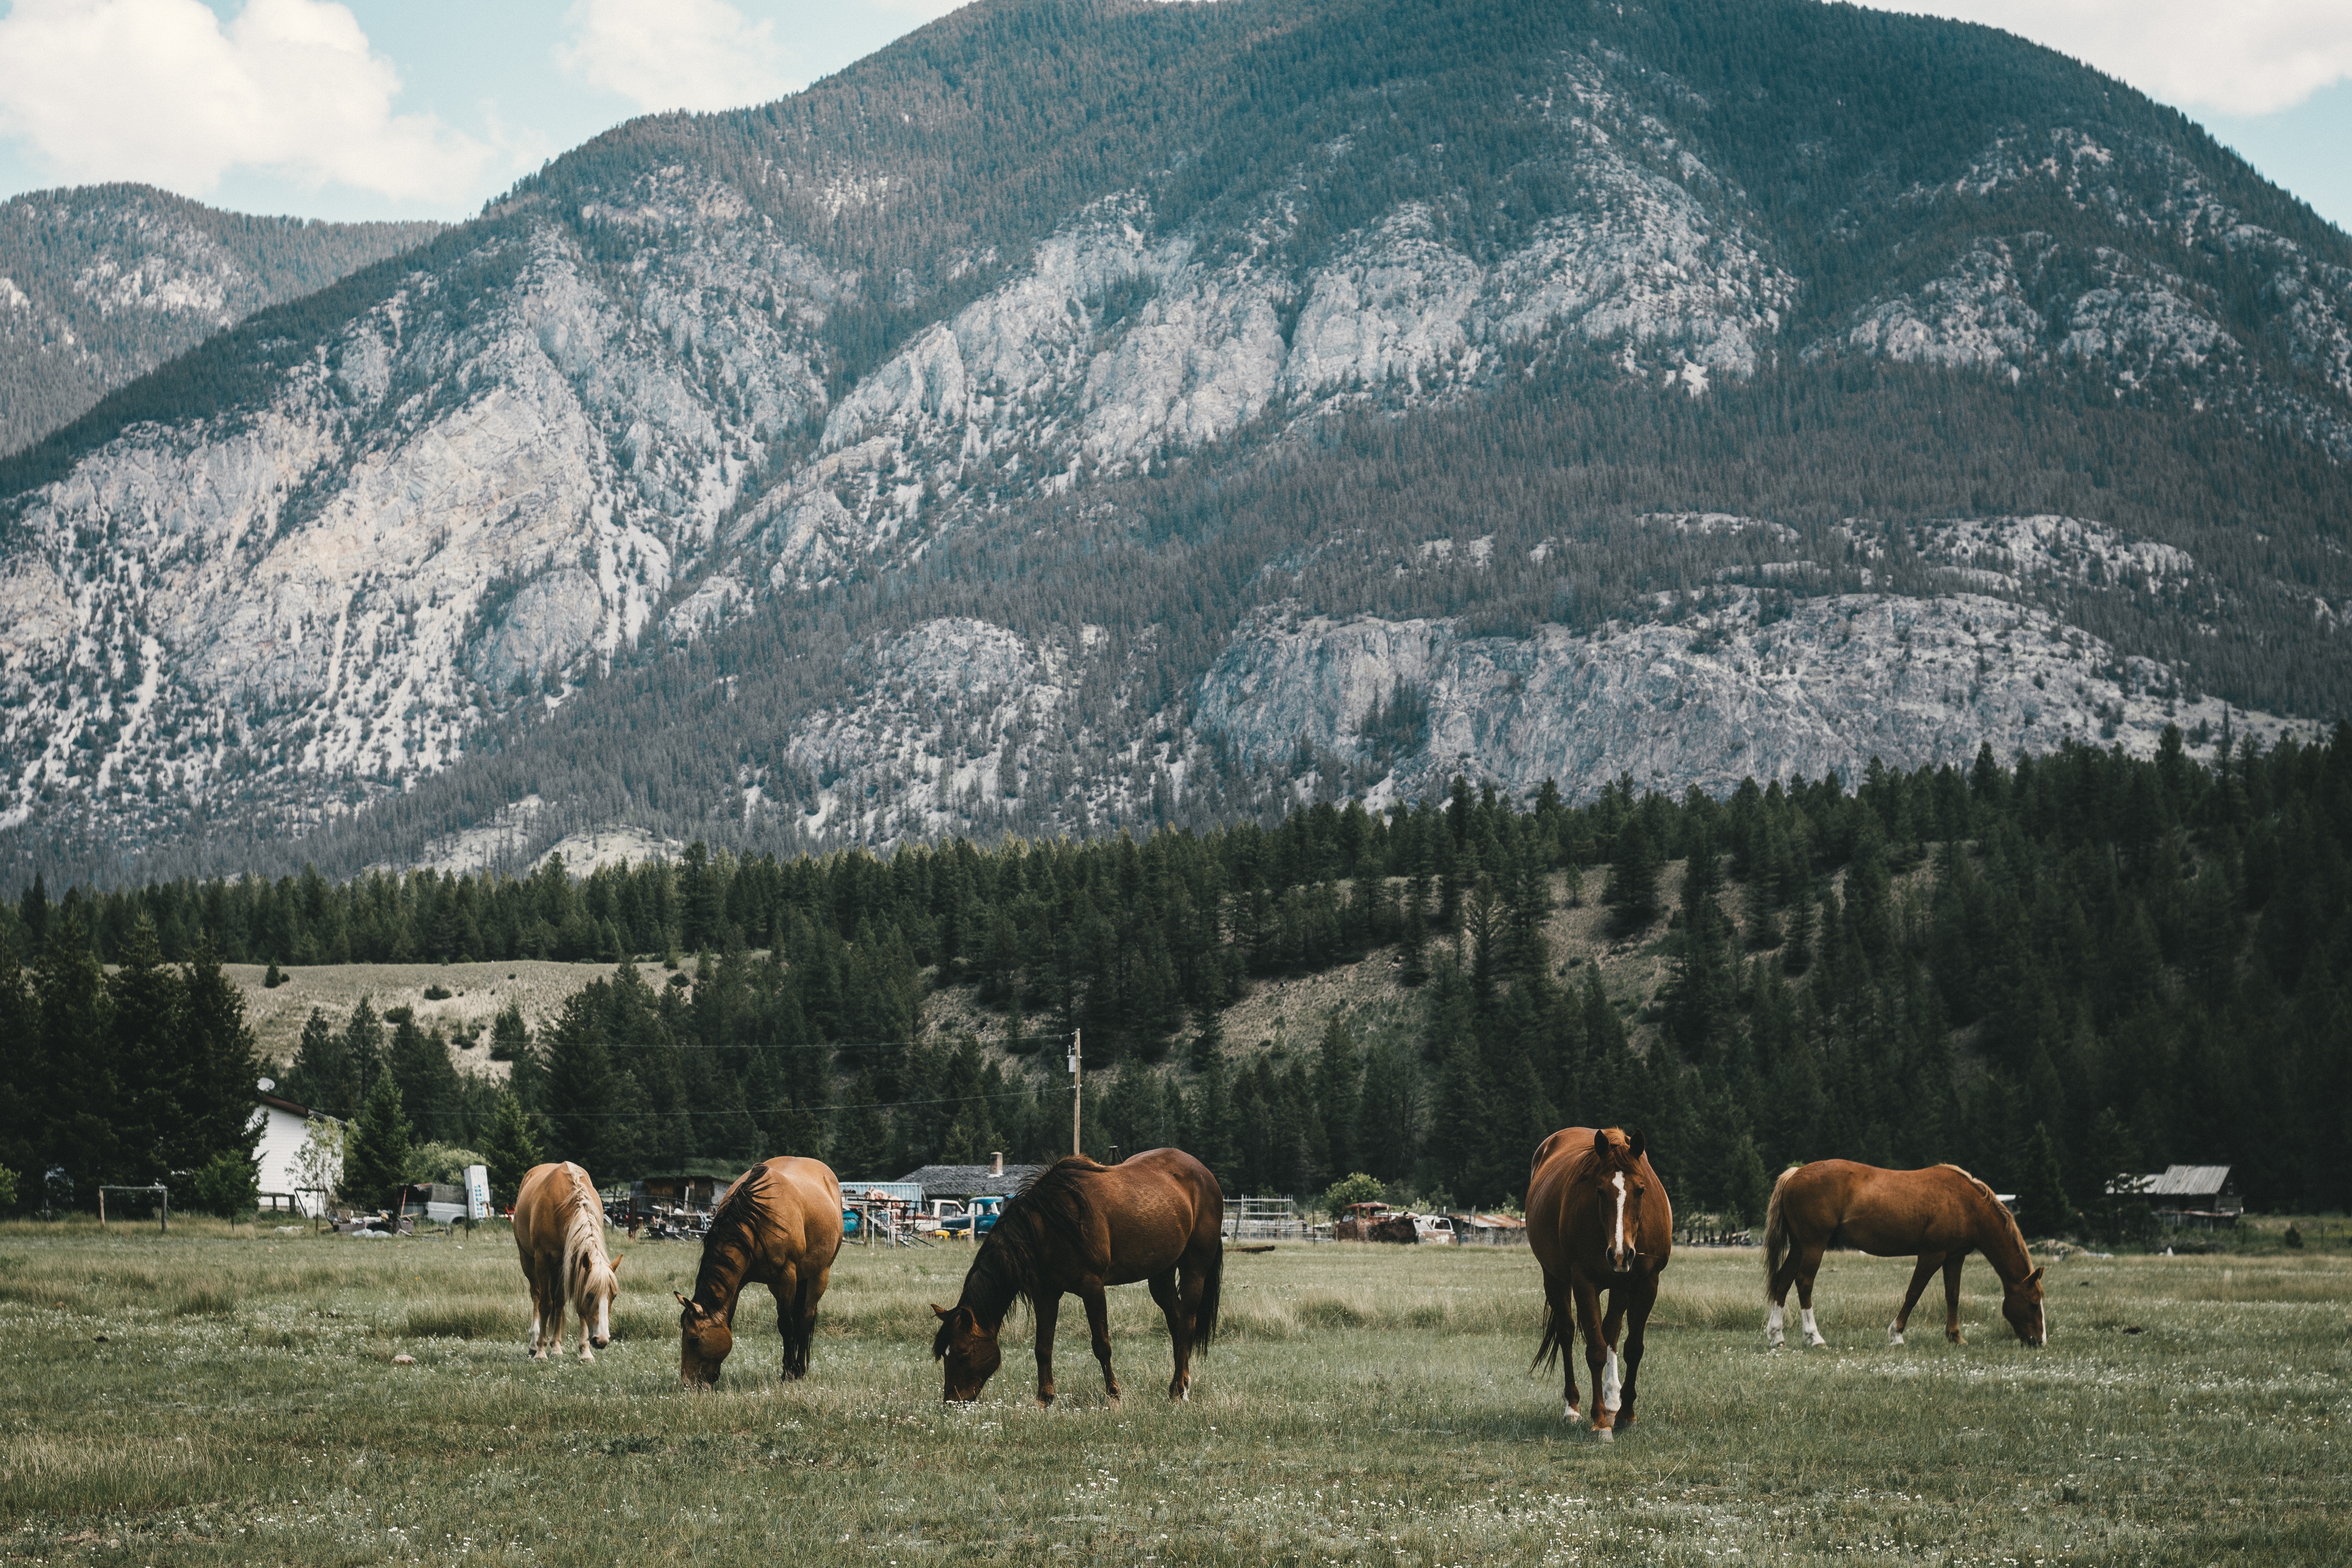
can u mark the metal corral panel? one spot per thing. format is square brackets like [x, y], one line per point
[897, 1191]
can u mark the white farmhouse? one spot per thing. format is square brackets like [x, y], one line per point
[285, 1132]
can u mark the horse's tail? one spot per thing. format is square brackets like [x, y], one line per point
[1204, 1322]
[1775, 1232]
[1558, 1328]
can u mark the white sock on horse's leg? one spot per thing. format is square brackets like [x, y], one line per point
[1772, 1335]
[1894, 1332]
[1569, 1412]
[1609, 1385]
[1812, 1334]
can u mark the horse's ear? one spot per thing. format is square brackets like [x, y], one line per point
[614, 1266]
[681, 1300]
[2032, 1279]
[1600, 1141]
[940, 1311]
[1635, 1145]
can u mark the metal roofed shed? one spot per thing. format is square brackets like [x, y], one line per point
[2200, 1197]
[992, 1180]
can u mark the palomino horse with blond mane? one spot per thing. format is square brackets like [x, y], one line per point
[1597, 1219]
[1158, 1216]
[779, 1226]
[1938, 1215]
[558, 1229]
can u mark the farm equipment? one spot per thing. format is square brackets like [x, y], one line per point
[1377, 1222]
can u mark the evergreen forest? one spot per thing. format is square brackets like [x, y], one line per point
[2055, 971]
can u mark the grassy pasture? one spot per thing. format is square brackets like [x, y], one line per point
[230, 1397]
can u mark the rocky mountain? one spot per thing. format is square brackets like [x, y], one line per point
[100, 284]
[1084, 413]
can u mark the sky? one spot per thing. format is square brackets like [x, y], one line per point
[378, 108]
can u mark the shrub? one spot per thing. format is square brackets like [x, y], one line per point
[1357, 1188]
[227, 1184]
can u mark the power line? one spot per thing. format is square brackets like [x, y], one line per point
[826, 1108]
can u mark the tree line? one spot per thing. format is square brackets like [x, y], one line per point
[2056, 971]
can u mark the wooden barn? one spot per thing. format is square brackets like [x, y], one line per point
[2197, 1197]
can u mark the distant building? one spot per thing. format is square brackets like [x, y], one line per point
[995, 1179]
[285, 1132]
[2201, 1197]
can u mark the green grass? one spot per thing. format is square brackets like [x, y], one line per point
[218, 1396]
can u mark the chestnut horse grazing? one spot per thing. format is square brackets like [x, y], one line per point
[1597, 1219]
[1158, 1216]
[558, 1229]
[1940, 1216]
[779, 1226]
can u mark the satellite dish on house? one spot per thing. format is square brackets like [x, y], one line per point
[266, 1085]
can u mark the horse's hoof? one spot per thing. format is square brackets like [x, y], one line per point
[1572, 1415]
[1604, 1435]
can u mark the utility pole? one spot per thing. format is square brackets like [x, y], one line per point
[1077, 1088]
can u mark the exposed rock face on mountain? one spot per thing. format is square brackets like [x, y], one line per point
[101, 284]
[956, 446]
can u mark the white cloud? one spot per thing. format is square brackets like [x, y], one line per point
[674, 54]
[2240, 57]
[160, 90]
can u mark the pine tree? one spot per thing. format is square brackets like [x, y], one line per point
[20, 1079]
[376, 1158]
[2042, 1187]
[363, 1048]
[509, 1035]
[1336, 1075]
[582, 1096]
[1747, 1186]
[510, 1151]
[320, 1077]
[1633, 890]
[419, 1059]
[223, 1061]
[155, 1073]
[74, 1117]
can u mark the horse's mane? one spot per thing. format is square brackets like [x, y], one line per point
[1999, 1207]
[1053, 1202]
[584, 1223]
[730, 1223]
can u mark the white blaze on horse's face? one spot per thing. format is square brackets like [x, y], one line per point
[1621, 1240]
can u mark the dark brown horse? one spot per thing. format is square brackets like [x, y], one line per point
[779, 1226]
[1079, 1226]
[1938, 1215]
[1597, 1219]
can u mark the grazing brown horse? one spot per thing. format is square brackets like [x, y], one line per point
[1940, 1216]
[1158, 1216]
[1597, 1219]
[558, 1229]
[779, 1226]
